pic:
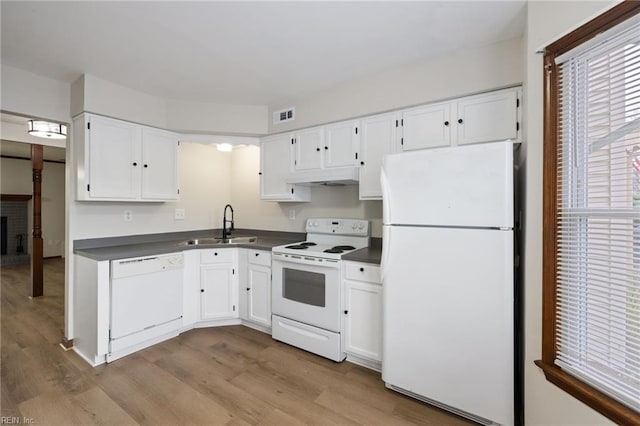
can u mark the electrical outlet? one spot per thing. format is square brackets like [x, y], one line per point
[292, 214]
[128, 216]
[179, 214]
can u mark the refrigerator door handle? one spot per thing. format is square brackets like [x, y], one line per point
[386, 234]
[384, 185]
[386, 206]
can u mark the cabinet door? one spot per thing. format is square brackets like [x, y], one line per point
[341, 144]
[379, 138]
[159, 164]
[217, 292]
[114, 159]
[259, 289]
[488, 117]
[363, 320]
[308, 150]
[426, 127]
[275, 167]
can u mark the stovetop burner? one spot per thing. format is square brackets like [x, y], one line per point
[301, 246]
[297, 247]
[339, 249]
[343, 248]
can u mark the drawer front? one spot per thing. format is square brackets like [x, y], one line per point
[362, 272]
[259, 257]
[216, 256]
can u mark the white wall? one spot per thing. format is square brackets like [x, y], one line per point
[207, 117]
[92, 94]
[464, 72]
[545, 403]
[30, 94]
[251, 212]
[114, 100]
[204, 190]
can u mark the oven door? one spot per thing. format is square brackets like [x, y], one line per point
[307, 290]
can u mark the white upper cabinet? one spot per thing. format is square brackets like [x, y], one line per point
[275, 164]
[426, 127]
[331, 146]
[379, 138]
[159, 165]
[114, 157]
[307, 148]
[121, 161]
[488, 117]
[341, 144]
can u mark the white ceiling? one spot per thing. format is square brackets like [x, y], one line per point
[261, 53]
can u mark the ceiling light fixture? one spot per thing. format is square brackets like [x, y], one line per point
[47, 130]
[225, 147]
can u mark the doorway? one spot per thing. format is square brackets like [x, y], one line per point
[17, 204]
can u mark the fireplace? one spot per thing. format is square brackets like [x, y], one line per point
[14, 219]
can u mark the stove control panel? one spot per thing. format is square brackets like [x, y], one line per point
[354, 227]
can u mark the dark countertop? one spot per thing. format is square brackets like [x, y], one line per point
[127, 247]
[113, 248]
[371, 254]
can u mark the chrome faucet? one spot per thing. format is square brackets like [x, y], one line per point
[225, 232]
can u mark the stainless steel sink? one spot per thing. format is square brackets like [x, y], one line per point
[240, 240]
[215, 241]
[202, 242]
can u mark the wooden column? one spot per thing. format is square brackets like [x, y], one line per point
[37, 275]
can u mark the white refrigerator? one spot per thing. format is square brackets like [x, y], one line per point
[448, 279]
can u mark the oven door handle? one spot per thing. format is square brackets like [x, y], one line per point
[325, 263]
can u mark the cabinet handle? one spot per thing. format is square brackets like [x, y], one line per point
[259, 173]
[146, 165]
[459, 120]
[248, 288]
[326, 147]
[446, 123]
[135, 164]
[215, 254]
[346, 312]
[202, 290]
[362, 163]
[361, 269]
[257, 254]
[318, 149]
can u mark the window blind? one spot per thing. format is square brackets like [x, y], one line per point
[598, 209]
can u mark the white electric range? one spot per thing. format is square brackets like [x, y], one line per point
[307, 285]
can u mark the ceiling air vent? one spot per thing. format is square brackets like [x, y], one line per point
[284, 115]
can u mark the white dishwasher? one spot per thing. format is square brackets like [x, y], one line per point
[146, 302]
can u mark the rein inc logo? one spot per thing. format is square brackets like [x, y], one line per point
[11, 420]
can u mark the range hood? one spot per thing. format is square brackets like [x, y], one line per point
[326, 177]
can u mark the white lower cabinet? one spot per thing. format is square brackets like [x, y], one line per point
[218, 284]
[363, 314]
[256, 283]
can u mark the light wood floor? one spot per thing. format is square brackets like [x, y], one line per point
[226, 375]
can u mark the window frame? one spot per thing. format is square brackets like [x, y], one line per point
[595, 399]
